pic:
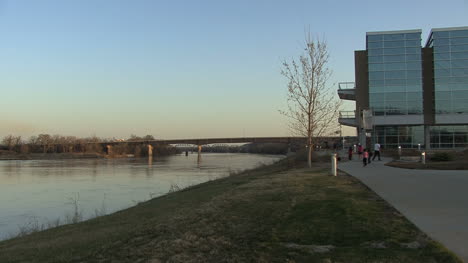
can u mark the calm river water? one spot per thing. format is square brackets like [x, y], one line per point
[44, 190]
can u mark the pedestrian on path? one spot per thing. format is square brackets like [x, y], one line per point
[350, 153]
[359, 151]
[370, 155]
[376, 151]
[365, 157]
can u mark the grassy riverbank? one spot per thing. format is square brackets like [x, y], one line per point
[277, 213]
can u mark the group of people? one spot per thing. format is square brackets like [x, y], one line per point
[365, 154]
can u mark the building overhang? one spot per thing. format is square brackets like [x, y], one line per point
[348, 118]
[352, 122]
[347, 94]
[347, 90]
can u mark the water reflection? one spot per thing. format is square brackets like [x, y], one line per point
[12, 168]
[41, 189]
[198, 160]
[94, 169]
[149, 170]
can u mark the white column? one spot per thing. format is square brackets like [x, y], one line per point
[333, 164]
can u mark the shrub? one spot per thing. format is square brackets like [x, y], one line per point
[441, 157]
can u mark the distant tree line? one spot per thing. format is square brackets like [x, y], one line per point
[274, 148]
[46, 143]
[261, 148]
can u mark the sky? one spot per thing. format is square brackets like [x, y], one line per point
[178, 69]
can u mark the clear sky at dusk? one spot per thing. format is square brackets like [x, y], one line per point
[177, 69]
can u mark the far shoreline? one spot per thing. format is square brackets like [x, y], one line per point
[80, 156]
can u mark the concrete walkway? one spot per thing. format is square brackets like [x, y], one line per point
[436, 201]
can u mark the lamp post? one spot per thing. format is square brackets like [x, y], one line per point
[342, 138]
[333, 165]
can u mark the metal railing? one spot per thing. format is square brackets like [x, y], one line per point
[347, 114]
[346, 85]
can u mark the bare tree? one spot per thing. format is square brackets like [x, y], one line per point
[11, 141]
[148, 137]
[45, 140]
[91, 144]
[70, 142]
[312, 107]
[133, 137]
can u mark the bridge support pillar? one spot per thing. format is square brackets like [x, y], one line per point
[150, 150]
[289, 152]
[109, 149]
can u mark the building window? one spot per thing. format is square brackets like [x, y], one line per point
[395, 69]
[450, 72]
[404, 136]
[449, 136]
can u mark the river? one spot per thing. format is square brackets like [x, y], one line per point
[42, 191]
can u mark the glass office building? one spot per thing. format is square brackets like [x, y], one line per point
[395, 72]
[418, 96]
[450, 69]
[450, 47]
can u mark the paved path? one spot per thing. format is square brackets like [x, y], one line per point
[434, 200]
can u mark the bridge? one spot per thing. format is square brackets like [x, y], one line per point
[200, 142]
[106, 146]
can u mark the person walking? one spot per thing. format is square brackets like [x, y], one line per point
[359, 150]
[376, 151]
[365, 157]
[350, 153]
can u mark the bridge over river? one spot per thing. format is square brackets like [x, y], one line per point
[200, 142]
[151, 144]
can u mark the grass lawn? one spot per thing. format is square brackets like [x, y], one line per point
[270, 214]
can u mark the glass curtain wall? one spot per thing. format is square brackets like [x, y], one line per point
[449, 136]
[404, 136]
[395, 73]
[450, 71]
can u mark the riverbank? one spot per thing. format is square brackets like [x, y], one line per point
[275, 213]
[10, 155]
[61, 156]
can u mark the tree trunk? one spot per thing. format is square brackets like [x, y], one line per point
[309, 157]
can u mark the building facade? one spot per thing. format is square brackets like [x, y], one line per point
[408, 95]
